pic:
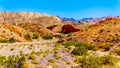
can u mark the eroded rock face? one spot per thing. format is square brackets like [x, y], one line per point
[68, 29]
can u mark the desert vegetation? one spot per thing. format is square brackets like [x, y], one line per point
[32, 40]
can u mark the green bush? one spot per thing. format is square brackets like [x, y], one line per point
[88, 46]
[106, 47]
[95, 61]
[81, 50]
[68, 43]
[28, 37]
[35, 36]
[117, 51]
[15, 60]
[4, 41]
[12, 61]
[47, 37]
[12, 40]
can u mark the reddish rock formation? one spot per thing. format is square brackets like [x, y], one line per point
[68, 29]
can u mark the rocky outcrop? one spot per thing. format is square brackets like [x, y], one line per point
[68, 29]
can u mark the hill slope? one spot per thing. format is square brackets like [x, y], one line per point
[102, 33]
[23, 23]
[8, 31]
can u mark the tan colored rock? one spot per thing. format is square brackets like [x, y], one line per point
[57, 29]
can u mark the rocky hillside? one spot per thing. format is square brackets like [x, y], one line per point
[29, 17]
[106, 32]
[17, 25]
[9, 31]
[7, 17]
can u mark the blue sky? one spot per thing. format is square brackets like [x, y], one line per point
[65, 8]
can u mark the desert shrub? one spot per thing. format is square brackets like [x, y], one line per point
[101, 30]
[12, 61]
[47, 37]
[88, 46]
[4, 31]
[95, 61]
[11, 49]
[51, 60]
[28, 37]
[69, 34]
[34, 62]
[15, 61]
[81, 50]
[12, 40]
[35, 36]
[82, 44]
[4, 41]
[117, 51]
[106, 47]
[68, 43]
[59, 36]
[91, 47]
[31, 56]
[2, 58]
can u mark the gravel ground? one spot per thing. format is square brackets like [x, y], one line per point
[47, 53]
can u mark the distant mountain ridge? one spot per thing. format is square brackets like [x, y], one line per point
[68, 19]
[90, 19]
